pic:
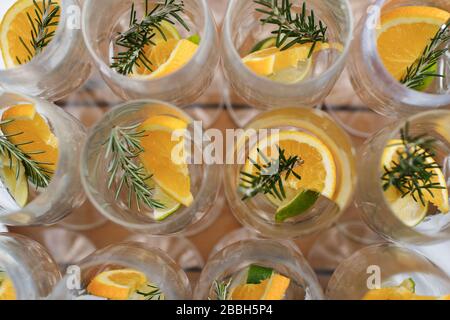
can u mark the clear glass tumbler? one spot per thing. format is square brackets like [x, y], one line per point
[371, 80]
[64, 193]
[258, 213]
[230, 262]
[32, 271]
[242, 29]
[159, 268]
[386, 265]
[61, 68]
[376, 209]
[205, 174]
[181, 87]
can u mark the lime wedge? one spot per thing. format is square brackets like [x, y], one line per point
[170, 204]
[304, 200]
[409, 284]
[12, 175]
[256, 274]
[264, 44]
[293, 75]
[195, 39]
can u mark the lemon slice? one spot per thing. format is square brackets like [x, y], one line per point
[7, 290]
[12, 175]
[318, 170]
[116, 284]
[172, 175]
[293, 75]
[405, 291]
[404, 33]
[406, 208]
[165, 44]
[28, 130]
[15, 25]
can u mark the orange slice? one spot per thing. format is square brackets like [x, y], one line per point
[32, 134]
[172, 175]
[404, 34]
[16, 25]
[273, 288]
[116, 284]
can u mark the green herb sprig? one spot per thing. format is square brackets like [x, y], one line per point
[154, 294]
[123, 147]
[222, 289]
[141, 32]
[269, 176]
[298, 28]
[34, 171]
[412, 174]
[423, 68]
[45, 17]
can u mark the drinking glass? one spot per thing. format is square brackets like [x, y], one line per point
[389, 265]
[30, 268]
[182, 87]
[64, 193]
[205, 174]
[285, 260]
[373, 83]
[159, 268]
[375, 208]
[61, 68]
[257, 213]
[242, 29]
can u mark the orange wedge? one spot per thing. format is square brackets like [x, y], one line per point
[116, 284]
[404, 33]
[16, 25]
[273, 288]
[32, 134]
[172, 175]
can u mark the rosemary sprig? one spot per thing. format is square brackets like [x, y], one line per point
[45, 17]
[141, 33]
[413, 173]
[269, 176]
[298, 28]
[422, 68]
[221, 289]
[123, 146]
[154, 293]
[34, 171]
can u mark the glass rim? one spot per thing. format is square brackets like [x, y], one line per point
[166, 80]
[153, 226]
[265, 82]
[265, 226]
[394, 130]
[421, 100]
[50, 49]
[64, 150]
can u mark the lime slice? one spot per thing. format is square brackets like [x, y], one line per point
[256, 274]
[293, 75]
[195, 39]
[264, 44]
[301, 203]
[409, 284]
[12, 175]
[428, 80]
[170, 204]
